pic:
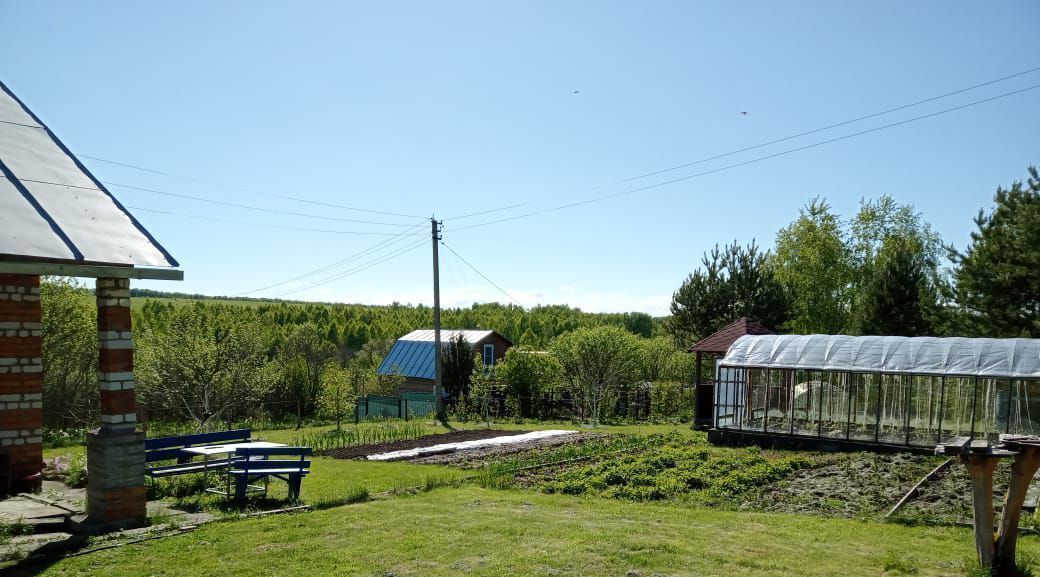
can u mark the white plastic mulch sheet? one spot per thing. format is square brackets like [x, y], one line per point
[467, 445]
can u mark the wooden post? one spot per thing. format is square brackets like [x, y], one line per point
[980, 467]
[1024, 467]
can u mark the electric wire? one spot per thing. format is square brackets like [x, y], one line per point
[787, 138]
[746, 162]
[512, 206]
[374, 248]
[261, 225]
[830, 126]
[482, 275]
[249, 207]
[358, 268]
[273, 195]
[212, 201]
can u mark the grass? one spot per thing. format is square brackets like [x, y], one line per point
[331, 482]
[444, 527]
[483, 532]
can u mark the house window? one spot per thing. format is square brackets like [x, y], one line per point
[489, 355]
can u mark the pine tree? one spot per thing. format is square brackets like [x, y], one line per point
[733, 282]
[893, 300]
[998, 277]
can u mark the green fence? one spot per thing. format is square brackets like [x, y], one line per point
[405, 406]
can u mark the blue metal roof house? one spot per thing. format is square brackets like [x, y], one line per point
[412, 355]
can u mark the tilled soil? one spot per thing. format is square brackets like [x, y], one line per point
[848, 485]
[471, 458]
[948, 498]
[362, 451]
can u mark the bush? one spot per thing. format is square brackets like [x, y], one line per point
[669, 402]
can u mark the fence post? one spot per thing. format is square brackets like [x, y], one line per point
[405, 401]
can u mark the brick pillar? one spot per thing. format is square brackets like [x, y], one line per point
[115, 452]
[21, 381]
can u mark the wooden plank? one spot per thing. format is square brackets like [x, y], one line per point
[979, 446]
[917, 486]
[89, 271]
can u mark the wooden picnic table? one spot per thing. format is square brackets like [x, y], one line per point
[228, 449]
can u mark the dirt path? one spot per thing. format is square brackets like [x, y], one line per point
[362, 451]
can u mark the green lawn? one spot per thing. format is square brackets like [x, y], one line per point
[473, 531]
[466, 530]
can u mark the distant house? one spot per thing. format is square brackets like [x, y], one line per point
[412, 355]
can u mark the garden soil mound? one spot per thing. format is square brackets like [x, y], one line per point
[362, 451]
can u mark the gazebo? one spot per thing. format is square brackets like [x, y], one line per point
[56, 218]
[715, 346]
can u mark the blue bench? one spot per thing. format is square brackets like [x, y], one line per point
[165, 449]
[289, 464]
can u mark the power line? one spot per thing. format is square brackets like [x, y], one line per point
[358, 269]
[778, 140]
[21, 124]
[388, 242]
[261, 225]
[488, 211]
[482, 275]
[246, 206]
[212, 201]
[214, 183]
[830, 126]
[751, 161]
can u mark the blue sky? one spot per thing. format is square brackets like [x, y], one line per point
[450, 108]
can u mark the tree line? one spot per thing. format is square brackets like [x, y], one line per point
[208, 360]
[884, 271]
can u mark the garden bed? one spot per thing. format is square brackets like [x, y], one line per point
[363, 451]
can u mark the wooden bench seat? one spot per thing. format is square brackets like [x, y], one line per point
[163, 449]
[289, 464]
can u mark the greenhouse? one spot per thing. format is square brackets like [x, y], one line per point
[895, 391]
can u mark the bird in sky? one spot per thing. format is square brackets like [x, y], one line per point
[576, 91]
[744, 113]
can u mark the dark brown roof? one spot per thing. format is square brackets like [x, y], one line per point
[721, 340]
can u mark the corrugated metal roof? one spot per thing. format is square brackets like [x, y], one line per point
[412, 355]
[52, 208]
[412, 359]
[426, 335]
[955, 356]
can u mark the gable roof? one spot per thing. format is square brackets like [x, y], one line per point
[720, 341]
[472, 337]
[52, 208]
[412, 355]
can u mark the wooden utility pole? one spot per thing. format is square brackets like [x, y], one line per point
[438, 382]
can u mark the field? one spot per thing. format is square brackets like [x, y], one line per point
[709, 512]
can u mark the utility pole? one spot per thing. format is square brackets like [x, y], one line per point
[438, 381]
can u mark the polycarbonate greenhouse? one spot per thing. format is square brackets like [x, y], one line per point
[882, 390]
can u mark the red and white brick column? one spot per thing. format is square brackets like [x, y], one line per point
[115, 453]
[21, 380]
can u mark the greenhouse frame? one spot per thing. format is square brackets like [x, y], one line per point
[884, 391]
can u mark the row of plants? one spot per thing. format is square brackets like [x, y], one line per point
[362, 434]
[672, 467]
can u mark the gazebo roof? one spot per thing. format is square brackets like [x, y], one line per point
[53, 210]
[720, 341]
